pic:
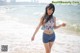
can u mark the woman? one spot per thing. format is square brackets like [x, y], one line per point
[48, 23]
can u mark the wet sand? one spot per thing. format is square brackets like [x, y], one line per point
[18, 38]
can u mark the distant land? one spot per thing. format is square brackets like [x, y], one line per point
[21, 3]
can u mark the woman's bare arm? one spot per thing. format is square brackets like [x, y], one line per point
[55, 27]
[40, 23]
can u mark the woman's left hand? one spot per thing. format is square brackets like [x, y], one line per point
[63, 24]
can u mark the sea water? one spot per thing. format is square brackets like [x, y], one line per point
[30, 14]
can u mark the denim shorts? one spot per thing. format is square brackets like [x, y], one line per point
[48, 37]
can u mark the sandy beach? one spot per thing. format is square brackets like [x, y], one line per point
[18, 38]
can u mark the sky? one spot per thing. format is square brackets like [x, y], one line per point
[42, 1]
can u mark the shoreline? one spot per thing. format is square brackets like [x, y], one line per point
[18, 37]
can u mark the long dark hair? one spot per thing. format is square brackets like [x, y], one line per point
[46, 16]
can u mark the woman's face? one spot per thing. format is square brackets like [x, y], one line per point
[49, 11]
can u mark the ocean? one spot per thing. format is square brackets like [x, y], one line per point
[30, 14]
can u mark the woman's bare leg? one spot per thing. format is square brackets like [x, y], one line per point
[47, 47]
[50, 45]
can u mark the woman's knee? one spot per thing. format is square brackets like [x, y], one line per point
[48, 50]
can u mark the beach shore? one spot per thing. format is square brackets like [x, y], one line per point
[18, 38]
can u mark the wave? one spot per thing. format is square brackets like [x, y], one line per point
[73, 27]
[70, 26]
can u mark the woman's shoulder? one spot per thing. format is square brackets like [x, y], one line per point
[42, 17]
[54, 17]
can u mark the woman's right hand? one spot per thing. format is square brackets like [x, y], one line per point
[32, 38]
